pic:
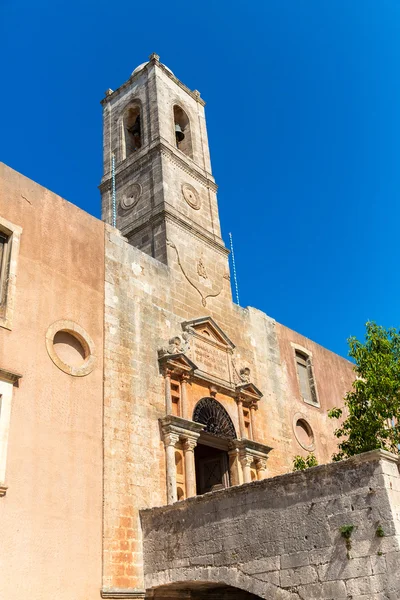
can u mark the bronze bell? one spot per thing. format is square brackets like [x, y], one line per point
[135, 129]
[179, 133]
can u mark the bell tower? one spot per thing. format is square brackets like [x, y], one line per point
[157, 187]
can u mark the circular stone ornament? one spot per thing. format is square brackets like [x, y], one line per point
[191, 195]
[303, 432]
[70, 348]
[131, 196]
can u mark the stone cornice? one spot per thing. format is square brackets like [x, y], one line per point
[252, 448]
[181, 427]
[146, 154]
[187, 165]
[9, 376]
[195, 94]
[166, 214]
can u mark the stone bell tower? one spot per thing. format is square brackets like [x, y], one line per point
[164, 198]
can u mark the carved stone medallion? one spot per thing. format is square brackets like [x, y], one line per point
[191, 196]
[131, 196]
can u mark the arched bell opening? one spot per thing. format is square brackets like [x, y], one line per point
[211, 453]
[132, 130]
[182, 131]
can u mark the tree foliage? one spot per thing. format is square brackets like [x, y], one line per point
[300, 463]
[373, 405]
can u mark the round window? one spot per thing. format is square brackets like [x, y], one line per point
[303, 432]
[70, 348]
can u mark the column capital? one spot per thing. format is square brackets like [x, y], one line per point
[185, 377]
[167, 371]
[170, 439]
[246, 459]
[190, 443]
[261, 464]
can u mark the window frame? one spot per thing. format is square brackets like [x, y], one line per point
[8, 279]
[306, 355]
[8, 380]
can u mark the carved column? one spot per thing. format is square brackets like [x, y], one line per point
[234, 469]
[168, 398]
[246, 461]
[261, 466]
[184, 399]
[242, 428]
[190, 469]
[170, 439]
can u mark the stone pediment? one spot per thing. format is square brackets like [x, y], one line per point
[249, 392]
[207, 328]
[179, 363]
[205, 351]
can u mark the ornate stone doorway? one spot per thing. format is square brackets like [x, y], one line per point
[211, 452]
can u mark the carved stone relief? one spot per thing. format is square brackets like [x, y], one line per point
[212, 289]
[201, 270]
[191, 196]
[131, 196]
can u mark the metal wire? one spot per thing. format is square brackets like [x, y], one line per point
[234, 270]
[114, 196]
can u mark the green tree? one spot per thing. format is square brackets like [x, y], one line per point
[300, 463]
[373, 405]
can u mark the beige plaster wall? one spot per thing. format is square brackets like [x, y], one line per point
[51, 515]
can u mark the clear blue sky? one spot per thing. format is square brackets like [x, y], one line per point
[303, 104]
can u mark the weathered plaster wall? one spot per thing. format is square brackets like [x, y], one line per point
[280, 539]
[51, 519]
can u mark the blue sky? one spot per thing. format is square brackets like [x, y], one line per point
[303, 101]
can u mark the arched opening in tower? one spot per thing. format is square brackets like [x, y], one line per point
[183, 134]
[132, 130]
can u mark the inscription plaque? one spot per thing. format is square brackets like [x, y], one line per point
[211, 359]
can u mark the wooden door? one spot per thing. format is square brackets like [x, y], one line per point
[214, 473]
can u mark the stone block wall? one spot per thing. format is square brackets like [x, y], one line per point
[146, 303]
[281, 538]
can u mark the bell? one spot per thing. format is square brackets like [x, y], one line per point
[135, 129]
[179, 133]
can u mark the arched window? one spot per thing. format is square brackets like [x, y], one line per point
[213, 415]
[132, 130]
[183, 135]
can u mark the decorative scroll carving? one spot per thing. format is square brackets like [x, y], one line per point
[179, 344]
[203, 295]
[245, 374]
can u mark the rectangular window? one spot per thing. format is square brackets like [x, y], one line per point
[4, 267]
[10, 237]
[306, 378]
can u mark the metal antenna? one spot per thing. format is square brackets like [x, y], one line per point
[114, 196]
[234, 270]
